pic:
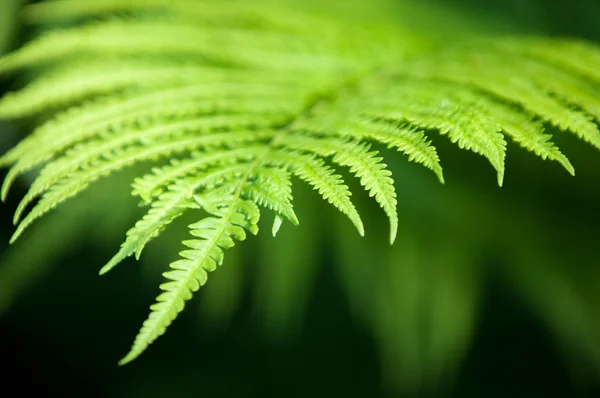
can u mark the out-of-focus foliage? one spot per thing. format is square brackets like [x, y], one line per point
[8, 22]
[420, 298]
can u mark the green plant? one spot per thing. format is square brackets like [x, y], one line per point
[229, 101]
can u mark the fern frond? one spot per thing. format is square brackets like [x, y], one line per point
[323, 178]
[416, 102]
[205, 253]
[405, 138]
[92, 154]
[273, 189]
[53, 10]
[83, 80]
[572, 55]
[374, 176]
[520, 127]
[372, 173]
[168, 206]
[130, 113]
[566, 86]
[225, 101]
[79, 180]
[151, 185]
[230, 46]
[478, 69]
[234, 13]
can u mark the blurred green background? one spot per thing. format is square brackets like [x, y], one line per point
[488, 292]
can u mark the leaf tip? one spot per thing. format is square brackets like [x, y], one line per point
[570, 168]
[276, 224]
[393, 232]
[500, 179]
[19, 212]
[439, 174]
[359, 225]
[105, 269]
[128, 358]
[15, 236]
[10, 178]
[4, 191]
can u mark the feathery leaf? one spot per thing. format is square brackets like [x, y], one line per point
[225, 101]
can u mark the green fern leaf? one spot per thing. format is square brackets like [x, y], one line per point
[225, 102]
[572, 55]
[405, 138]
[79, 180]
[151, 185]
[126, 114]
[92, 154]
[323, 178]
[273, 189]
[204, 255]
[365, 165]
[169, 206]
[481, 71]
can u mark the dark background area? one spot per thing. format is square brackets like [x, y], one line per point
[65, 334]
